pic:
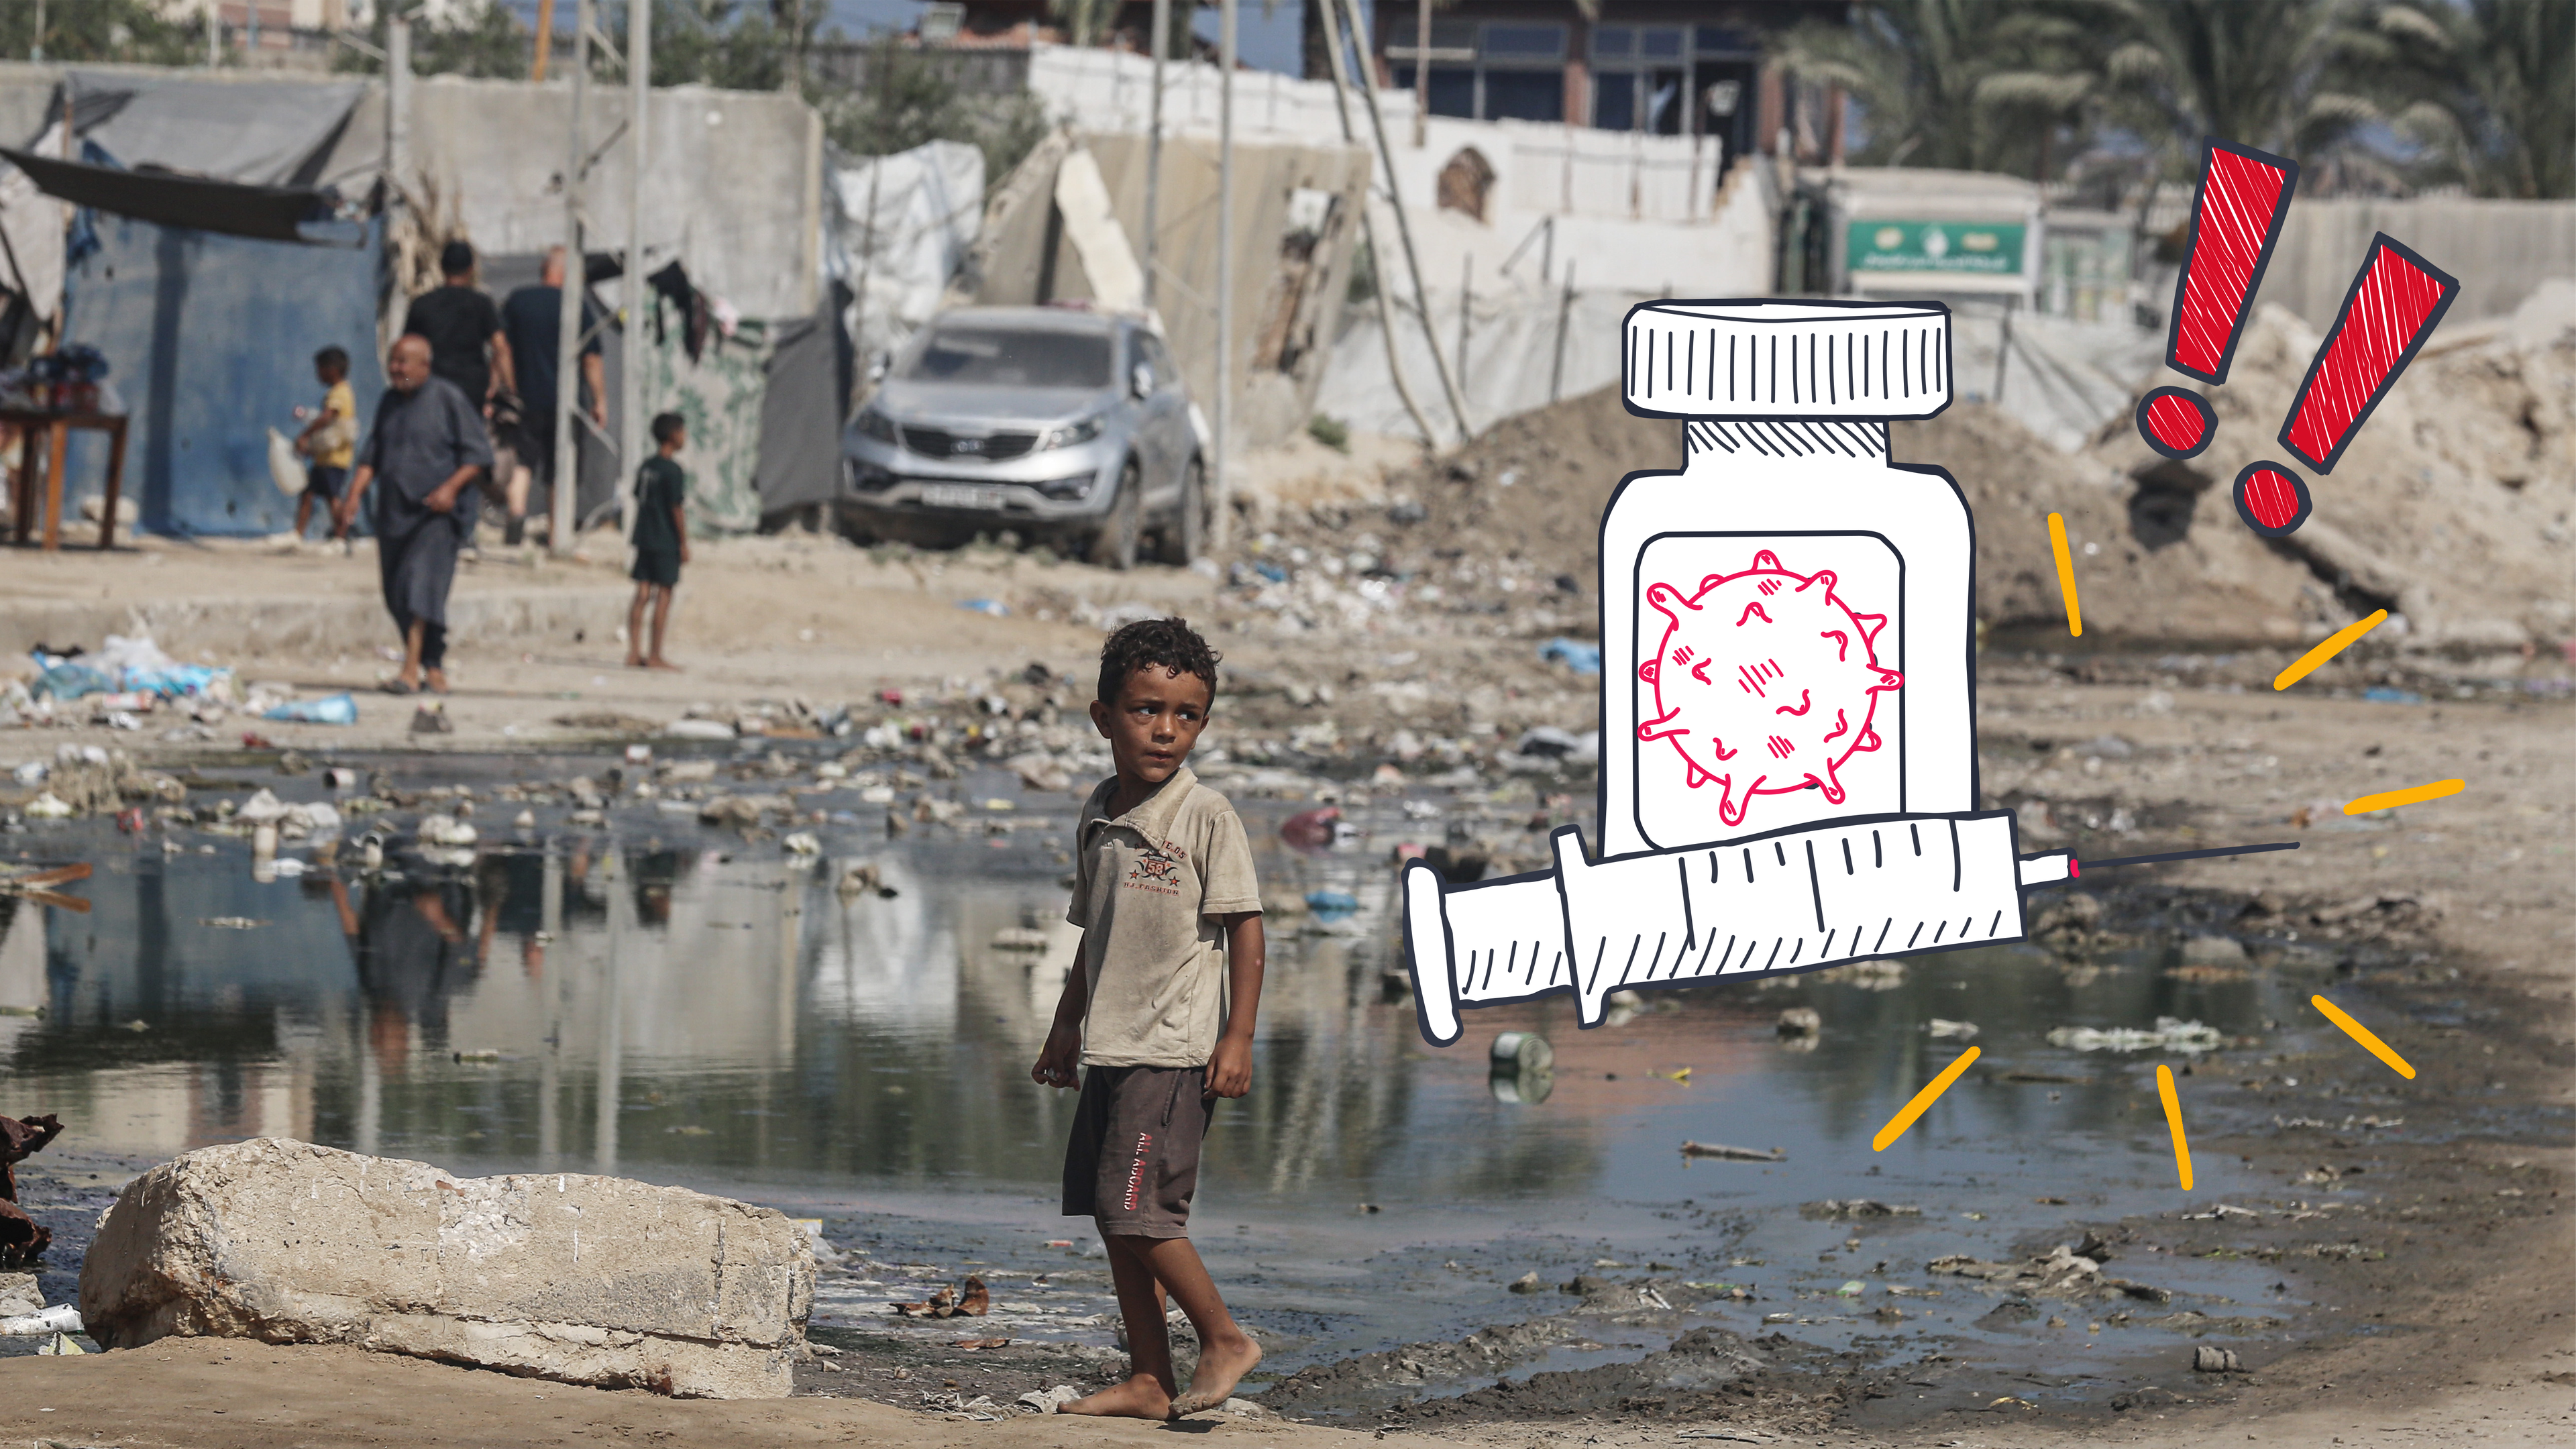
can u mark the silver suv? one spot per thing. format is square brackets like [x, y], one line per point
[1054, 423]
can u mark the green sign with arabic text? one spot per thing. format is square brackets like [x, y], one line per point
[1984, 249]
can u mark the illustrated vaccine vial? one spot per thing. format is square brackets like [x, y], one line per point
[1788, 754]
[1786, 622]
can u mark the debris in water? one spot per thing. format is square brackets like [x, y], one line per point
[22, 1238]
[1724, 1153]
[2210, 1360]
[1801, 1021]
[975, 1302]
[1962, 1030]
[1857, 1207]
[2169, 1033]
[34, 885]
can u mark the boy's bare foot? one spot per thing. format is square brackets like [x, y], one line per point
[1138, 1398]
[436, 680]
[659, 663]
[1222, 1365]
[635, 661]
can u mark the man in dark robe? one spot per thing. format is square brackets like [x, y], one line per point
[427, 446]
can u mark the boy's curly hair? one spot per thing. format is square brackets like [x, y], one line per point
[1169, 644]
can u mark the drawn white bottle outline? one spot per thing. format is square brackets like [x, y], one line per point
[1786, 453]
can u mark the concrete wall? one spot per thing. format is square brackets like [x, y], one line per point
[736, 189]
[2500, 250]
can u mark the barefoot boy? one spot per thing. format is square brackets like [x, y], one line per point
[661, 539]
[1158, 1009]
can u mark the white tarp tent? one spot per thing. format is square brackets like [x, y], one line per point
[901, 227]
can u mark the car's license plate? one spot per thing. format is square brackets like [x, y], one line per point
[960, 495]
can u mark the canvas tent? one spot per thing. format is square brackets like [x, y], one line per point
[209, 335]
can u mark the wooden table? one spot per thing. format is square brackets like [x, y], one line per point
[56, 428]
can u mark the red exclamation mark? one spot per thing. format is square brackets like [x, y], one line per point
[2235, 222]
[2392, 307]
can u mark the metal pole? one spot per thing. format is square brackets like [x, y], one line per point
[1466, 304]
[36, 47]
[1421, 74]
[1154, 153]
[1564, 313]
[630, 288]
[398, 170]
[1221, 500]
[545, 40]
[1404, 233]
[215, 33]
[567, 485]
[1368, 229]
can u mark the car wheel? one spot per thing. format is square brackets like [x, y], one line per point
[1114, 547]
[1185, 538]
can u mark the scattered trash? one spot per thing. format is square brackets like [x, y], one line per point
[1961, 1030]
[2209, 1359]
[23, 1239]
[1313, 829]
[1047, 1401]
[1732, 1436]
[2183, 1036]
[1857, 1207]
[1019, 938]
[972, 1345]
[35, 884]
[1523, 1051]
[60, 1343]
[2382, 694]
[1724, 1153]
[1801, 1021]
[991, 608]
[46, 807]
[1528, 1283]
[334, 709]
[1677, 1074]
[1332, 905]
[803, 843]
[1851, 1289]
[2062, 1273]
[698, 729]
[975, 1302]
[231, 923]
[1575, 654]
[445, 830]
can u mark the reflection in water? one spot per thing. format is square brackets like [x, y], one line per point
[678, 1012]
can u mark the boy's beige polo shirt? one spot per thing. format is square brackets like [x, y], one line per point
[1149, 887]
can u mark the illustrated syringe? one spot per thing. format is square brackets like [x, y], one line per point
[1793, 900]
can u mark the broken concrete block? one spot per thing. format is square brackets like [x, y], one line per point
[584, 1280]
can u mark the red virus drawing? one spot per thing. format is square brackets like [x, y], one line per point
[1765, 682]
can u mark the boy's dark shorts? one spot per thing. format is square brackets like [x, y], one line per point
[657, 566]
[323, 481]
[1133, 1161]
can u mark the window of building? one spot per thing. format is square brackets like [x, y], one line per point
[1487, 70]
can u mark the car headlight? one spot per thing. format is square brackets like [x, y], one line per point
[874, 424]
[1068, 490]
[1072, 433]
[867, 478]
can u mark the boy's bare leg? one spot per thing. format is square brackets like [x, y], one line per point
[1149, 1386]
[661, 622]
[410, 675]
[1226, 1352]
[303, 513]
[635, 627]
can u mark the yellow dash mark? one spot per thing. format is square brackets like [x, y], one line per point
[2363, 1035]
[2066, 574]
[2173, 1118]
[1897, 1124]
[2335, 644]
[2390, 800]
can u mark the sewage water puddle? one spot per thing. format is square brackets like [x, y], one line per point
[668, 1001]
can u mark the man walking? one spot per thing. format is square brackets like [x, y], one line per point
[532, 327]
[463, 330]
[427, 446]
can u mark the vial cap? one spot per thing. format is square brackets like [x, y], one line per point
[1788, 359]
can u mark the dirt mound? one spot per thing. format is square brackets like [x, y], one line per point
[2452, 506]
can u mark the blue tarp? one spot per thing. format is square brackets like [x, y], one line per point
[211, 339]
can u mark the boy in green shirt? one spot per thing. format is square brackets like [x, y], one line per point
[661, 540]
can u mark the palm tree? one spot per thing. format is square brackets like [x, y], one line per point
[2492, 85]
[2256, 72]
[1964, 84]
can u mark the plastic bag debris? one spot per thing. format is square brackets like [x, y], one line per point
[1801, 1021]
[1332, 905]
[1960, 1030]
[1047, 1401]
[1575, 654]
[2169, 1033]
[61, 1318]
[330, 709]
